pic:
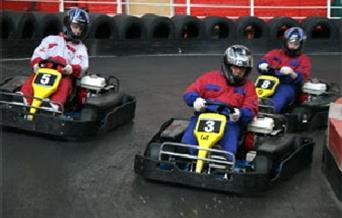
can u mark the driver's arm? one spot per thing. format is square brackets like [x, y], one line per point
[249, 108]
[80, 63]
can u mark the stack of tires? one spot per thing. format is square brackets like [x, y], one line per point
[150, 27]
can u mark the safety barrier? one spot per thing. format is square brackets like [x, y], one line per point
[150, 34]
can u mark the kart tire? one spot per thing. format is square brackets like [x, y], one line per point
[130, 27]
[153, 150]
[250, 28]
[319, 28]
[8, 25]
[262, 164]
[218, 28]
[277, 26]
[102, 27]
[158, 27]
[187, 27]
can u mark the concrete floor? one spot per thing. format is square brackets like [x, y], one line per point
[57, 179]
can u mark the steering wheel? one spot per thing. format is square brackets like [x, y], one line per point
[220, 106]
[54, 63]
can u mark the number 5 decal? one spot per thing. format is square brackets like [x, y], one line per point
[45, 79]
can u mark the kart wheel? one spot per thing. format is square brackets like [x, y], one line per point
[153, 150]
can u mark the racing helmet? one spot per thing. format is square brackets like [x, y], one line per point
[79, 16]
[294, 34]
[240, 56]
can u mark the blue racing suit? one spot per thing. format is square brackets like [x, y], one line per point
[288, 88]
[213, 86]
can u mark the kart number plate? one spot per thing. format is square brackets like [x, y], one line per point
[209, 126]
[45, 79]
[265, 84]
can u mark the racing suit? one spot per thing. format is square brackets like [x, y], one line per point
[213, 86]
[66, 52]
[288, 88]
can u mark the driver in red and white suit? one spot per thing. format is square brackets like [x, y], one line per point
[67, 49]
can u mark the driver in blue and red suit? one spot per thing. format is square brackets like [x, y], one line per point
[230, 86]
[66, 48]
[290, 65]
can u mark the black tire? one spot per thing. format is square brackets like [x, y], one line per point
[187, 27]
[27, 26]
[262, 164]
[319, 28]
[102, 27]
[8, 27]
[153, 150]
[130, 27]
[158, 27]
[47, 24]
[218, 28]
[250, 28]
[277, 26]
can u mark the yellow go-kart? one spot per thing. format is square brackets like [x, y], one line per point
[298, 116]
[95, 105]
[274, 158]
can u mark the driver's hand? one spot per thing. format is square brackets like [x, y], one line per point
[235, 115]
[199, 104]
[263, 67]
[36, 68]
[286, 70]
[67, 70]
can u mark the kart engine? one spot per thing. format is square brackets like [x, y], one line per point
[314, 87]
[262, 125]
[93, 83]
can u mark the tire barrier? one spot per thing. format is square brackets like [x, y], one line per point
[319, 28]
[218, 28]
[102, 27]
[158, 27]
[130, 27]
[7, 24]
[187, 27]
[120, 31]
[250, 28]
[277, 26]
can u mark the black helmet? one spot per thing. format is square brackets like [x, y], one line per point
[294, 34]
[79, 16]
[240, 56]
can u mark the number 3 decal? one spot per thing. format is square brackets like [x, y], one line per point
[210, 126]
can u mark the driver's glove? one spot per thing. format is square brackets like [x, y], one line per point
[263, 67]
[67, 70]
[235, 115]
[199, 104]
[36, 68]
[288, 71]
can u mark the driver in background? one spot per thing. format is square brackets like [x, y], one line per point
[67, 49]
[290, 65]
[230, 86]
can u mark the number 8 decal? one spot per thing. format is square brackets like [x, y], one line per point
[265, 84]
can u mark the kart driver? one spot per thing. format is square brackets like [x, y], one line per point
[290, 65]
[230, 86]
[67, 49]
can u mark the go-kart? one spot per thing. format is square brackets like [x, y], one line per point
[301, 115]
[95, 105]
[277, 155]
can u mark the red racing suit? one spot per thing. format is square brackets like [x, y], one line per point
[66, 52]
[289, 88]
[213, 86]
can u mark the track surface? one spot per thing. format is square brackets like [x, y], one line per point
[48, 178]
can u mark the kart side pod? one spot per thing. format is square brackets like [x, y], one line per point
[209, 130]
